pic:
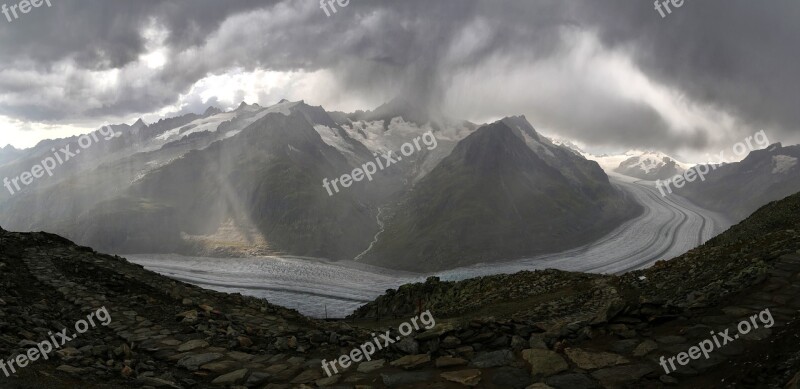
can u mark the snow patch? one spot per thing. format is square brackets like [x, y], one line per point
[783, 163]
[332, 138]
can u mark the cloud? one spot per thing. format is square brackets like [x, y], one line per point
[601, 72]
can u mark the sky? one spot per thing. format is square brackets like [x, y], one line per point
[610, 75]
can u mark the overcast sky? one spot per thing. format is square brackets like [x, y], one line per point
[612, 74]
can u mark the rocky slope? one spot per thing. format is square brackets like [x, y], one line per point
[544, 329]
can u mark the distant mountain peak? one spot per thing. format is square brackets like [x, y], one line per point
[521, 123]
[650, 165]
[568, 144]
[212, 110]
[398, 107]
[283, 101]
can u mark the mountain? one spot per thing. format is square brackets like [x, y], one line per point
[9, 153]
[650, 165]
[737, 189]
[233, 183]
[645, 165]
[504, 192]
[250, 182]
[568, 144]
[399, 107]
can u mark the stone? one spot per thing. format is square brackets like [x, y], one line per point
[307, 376]
[671, 339]
[451, 341]
[232, 378]
[594, 360]
[794, 383]
[737, 311]
[537, 341]
[257, 378]
[328, 381]
[407, 346]
[193, 362]
[170, 342]
[370, 366]
[188, 316]
[448, 361]
[157, 382]
[289, 373]
[699, 331]
[275, 369]
[571, 381]
[511, 377]
[645, 348]
[621, 375]
[68, 353]
[244, 341]
[192, 345]
[296, 360]
[411, 361]
[465, 351]
[469, 377]
[240, 356]
[393, 380]
[493, 359]
[757, 334]
[220, 367]
[437, 331]
[667, 380]
[518, 343]
[625, 346]
[71, 370]
[544, 363]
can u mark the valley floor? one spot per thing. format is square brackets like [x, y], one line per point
[669, 226]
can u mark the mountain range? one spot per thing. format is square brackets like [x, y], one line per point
[738, 189]
[249, 182]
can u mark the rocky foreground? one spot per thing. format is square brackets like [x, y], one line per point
[544, 329]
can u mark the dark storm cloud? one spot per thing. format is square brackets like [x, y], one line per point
[105, 33]
[739, 55]
[734, 55]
